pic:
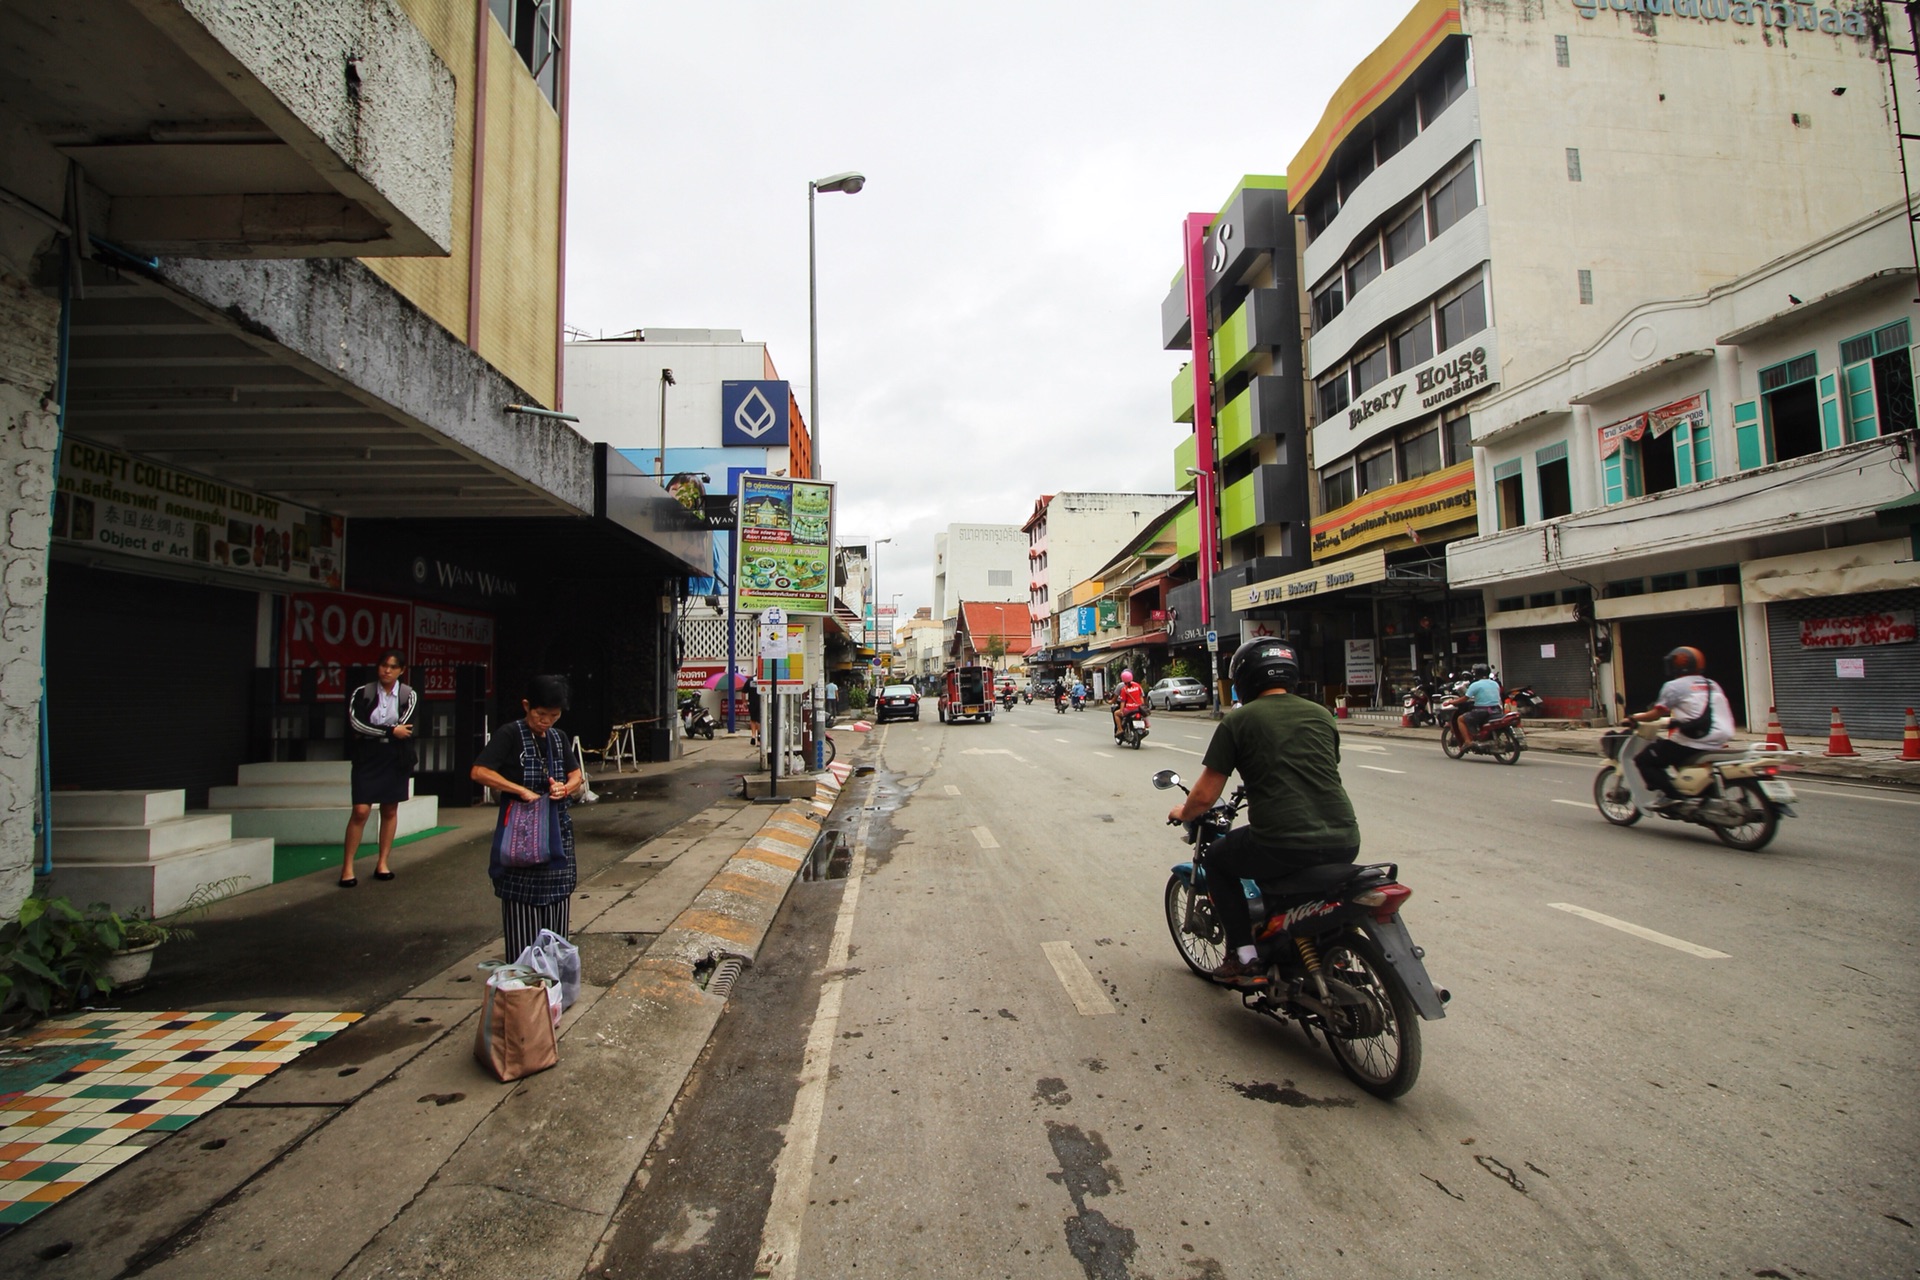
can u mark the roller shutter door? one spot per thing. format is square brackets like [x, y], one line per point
[1565, 679]
[1806, 680]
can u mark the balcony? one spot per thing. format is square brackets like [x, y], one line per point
[1268, 407]
[1183, 394]
[270, 129]
[1270, 494]
[1184, 454]
[1260, 323]
[1176, 332]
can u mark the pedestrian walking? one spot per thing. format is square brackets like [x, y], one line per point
[833, 699]
[380, 714]
[753, 706]
[525, 760]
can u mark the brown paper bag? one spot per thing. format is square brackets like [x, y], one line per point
[515, 1037]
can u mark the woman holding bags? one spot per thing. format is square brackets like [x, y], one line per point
[526, 762]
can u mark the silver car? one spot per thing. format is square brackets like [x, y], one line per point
[1176, 692]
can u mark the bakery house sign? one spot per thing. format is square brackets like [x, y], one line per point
[1410, 395]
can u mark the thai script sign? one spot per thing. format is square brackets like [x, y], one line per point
[133, 506]
[1893, 627]
[1109, 614]
[1799, 16]
[1626, 429]
[1398, 510]
[444, 639]
[1457, 373]
[784, 547]
[1690, 413]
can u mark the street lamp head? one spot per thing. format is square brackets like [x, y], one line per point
[1195, 471]
[666, 376]
[847, 182]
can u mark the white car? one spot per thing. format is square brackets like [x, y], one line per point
[1177, 691]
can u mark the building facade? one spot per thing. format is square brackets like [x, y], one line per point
[985, 562]
[1070, 535]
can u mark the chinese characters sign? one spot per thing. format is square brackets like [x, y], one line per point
[132, 506]
[785, 545]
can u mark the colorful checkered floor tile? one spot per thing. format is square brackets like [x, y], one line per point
[74, 1091]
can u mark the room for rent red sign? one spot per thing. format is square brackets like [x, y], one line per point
[1893, 627]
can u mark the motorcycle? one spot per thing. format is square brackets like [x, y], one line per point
[1337, 956]
[1079, 702]
[695, 720]
[1501, 737]
[1007, 699]
[1738, 795]
[1417, 703]
[1133, 728]
[1060, 703]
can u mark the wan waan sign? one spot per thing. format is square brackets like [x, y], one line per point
[1398, 511]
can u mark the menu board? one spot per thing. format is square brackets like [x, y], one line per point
[132, 506]
[785, 556]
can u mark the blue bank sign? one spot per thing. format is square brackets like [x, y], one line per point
[754, 413]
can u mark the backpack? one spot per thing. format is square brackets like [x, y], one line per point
[1701, 725]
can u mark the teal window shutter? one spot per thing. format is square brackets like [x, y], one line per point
[1747, 445]
[1831, 435]
[1857, 391]
[1702, 455]
[1630, 468]
[1612, 476]
[1681, 438]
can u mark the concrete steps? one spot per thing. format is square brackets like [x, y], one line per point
[141, 850]
[307, 802]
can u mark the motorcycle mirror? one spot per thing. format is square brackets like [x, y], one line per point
[1166, 780]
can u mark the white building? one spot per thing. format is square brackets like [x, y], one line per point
[1071, 535]
[1713, 472]
[977, 562]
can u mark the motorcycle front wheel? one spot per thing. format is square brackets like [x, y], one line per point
[1376, 1043]
[1613, 799]
[1202, 947]
[1506, 748]
[1762, 819]
[1452, 743]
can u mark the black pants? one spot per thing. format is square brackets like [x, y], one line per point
[1471, 720]
[1657, 759]
[523, 922]
[1239, 855]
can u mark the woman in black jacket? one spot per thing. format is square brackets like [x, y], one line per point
[380, 713]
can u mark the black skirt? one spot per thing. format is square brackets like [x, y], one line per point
[380, 773]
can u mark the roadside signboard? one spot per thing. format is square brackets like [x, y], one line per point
[785, 545]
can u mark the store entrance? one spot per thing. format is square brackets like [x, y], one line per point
[1643, 642]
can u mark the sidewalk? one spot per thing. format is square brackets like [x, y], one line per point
[386, 1150]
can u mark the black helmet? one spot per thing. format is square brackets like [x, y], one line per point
[1684, 661]
[1260, 665]
[1481, 671]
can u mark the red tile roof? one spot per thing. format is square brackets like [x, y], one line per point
[1013, 622]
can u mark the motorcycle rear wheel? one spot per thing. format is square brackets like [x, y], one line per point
[1764, 819]
[1613, 799]
[1385, 1064]
[1201, 950]
[1506, 748]
[1452, 743]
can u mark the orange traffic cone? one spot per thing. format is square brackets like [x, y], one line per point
[1838, 743]
[1910, 739]
[1776, 736]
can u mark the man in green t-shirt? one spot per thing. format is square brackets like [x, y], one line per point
[1287, 752]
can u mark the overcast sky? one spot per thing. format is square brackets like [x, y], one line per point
[989, 305]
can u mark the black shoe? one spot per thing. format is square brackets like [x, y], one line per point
[383, 875]
[1235, 972]
[350, 882]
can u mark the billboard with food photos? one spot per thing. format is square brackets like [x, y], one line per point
[785, 557]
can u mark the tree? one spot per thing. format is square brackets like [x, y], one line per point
[996, 649]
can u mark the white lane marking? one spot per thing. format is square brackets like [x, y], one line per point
[793, 1174]
[1381, 768]
[1185, 751]
[1578, 804]
[1104, 755]
[1853, 795]
[1081, 987]
[1194, 737]
[1061, 739]
[1638, 931]
[993, 751]
[1368, 747]
[952, 790]
[985, 837]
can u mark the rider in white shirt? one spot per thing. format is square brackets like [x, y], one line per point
[1700, 719]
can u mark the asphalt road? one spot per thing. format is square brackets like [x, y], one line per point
[958, 1099]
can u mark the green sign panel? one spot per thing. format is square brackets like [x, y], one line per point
[786, 545]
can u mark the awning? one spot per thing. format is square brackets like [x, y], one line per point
[1148, 584]
[1102, 659]
[1334, 575]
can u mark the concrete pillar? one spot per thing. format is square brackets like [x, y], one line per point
[29, 359]
[1756, 656]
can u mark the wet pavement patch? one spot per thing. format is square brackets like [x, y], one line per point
[830, 858]
[1052, 1090]
[1102, 1248]
[1285, 1094]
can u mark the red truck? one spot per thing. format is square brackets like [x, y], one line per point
[966, 693]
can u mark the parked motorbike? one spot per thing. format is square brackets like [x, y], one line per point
[1337, 956]
[1738, 795]
[695, 720]
[1524, 700]
[1418, 703]
[1501, 737]
[1133, 729]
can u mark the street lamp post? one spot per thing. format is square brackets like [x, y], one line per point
[1203, 494]
[666, 380]
[850, 183]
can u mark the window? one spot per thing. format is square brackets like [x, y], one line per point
[1876, 382]
[1333, 395]
[533, 28]
[1355, 170]
[1336, 488]
[1406, 237]
[1369, 369]
[1562, 56]
[1790, 408]
[1573, 164]
[1403, 127]
[1459, 433]
[999, 577]
[1328, 302]
[1322, 209]
[1509, 604]
[1542, 600]
[1453, 200]
[1586, 288]
[1462, 316]
[1363, 270]
[1420, 454]
[1510, 502]
[1725, 575]
[1412, 345]
[1667, 582]
[1376, 472]
[1444, 88]
[1556, 481]
[1628, 587]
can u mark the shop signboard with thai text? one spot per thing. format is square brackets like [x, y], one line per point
[1354, 571]
[1360, 662]
[334, 631]
[785, 545]
[1422, 391]
[1895, 626]
[1398, 512]
[126, 505]
[447, 638]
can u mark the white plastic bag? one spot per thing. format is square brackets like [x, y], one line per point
[554, 957]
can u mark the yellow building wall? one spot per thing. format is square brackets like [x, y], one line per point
[520, 226]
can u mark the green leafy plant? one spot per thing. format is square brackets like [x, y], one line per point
[1179, 667]
[857, 697]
